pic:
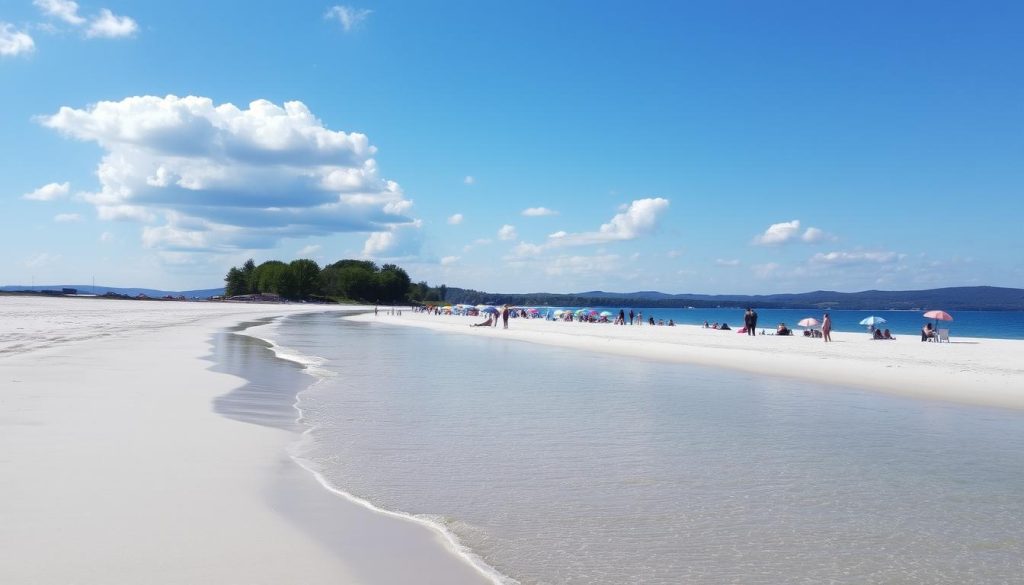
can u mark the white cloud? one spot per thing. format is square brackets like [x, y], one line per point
[538, 212]
[570, 265]
[455, 219]
[310, 250]
[813, 235]
[785, 232]
[67, 217]
[469, 180]
[769, 270]
[449, 260]
[49, 192]
[218, 178]
[348, 17]
[399, 241]
[507, 232]
[43, 259]
[634, 220]
[14, 42]
[857, 257]
[727, 263]
[66, 10]
[111, 26]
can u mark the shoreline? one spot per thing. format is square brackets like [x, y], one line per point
[285, 355]
[118, 469]
[972, 371]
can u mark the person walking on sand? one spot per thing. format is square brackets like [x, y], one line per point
[752, 330]
[826, 327]
[504, 317]
[748, 321]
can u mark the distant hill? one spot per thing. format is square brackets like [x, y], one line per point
[88, 289]
[954, 298]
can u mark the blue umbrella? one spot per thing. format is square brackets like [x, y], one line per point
[872, 320]
[489, 309]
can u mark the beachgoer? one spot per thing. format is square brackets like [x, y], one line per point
[487, 323]
[650, 320]
[746, 320]
[671, 323]
[504, 317]
[782, 330]
[887, 335]
[927, 333]
[631, 316]
[826, 327]
[725, 327]
[706, 326]
[753, 322]
[877, 334]
[622, 317]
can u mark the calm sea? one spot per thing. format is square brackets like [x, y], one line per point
[559, 466]
[993, 324]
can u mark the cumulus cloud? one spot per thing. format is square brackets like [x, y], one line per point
[218, 177]
[399, 241]
[111, 26]
[455, 219]
[348, 17]
[727, 263]
[48, 192]
[309, 250]
[768, 270]
[538, 212]
[789, 231]
[634, 220]
[67, 217]
[65, 10]
[449, 260]
[507, 232]
[14, 42]
[842, 258]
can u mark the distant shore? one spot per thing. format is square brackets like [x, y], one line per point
[977, 371]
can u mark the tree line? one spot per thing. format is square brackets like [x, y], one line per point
[354, 280]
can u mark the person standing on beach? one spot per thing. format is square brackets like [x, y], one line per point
[753, 323]
[622, 317]
[504, 317]
[640, 318]
[747, 320]
[826, 327]
[631, 316]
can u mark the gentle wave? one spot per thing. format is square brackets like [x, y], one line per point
[313, 365]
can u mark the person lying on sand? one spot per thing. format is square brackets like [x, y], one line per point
[487, 323]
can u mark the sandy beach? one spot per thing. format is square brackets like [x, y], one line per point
[975, 371]
[115, 468]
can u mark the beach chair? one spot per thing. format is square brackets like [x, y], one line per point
[943, 335]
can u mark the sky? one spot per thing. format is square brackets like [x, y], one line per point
[705, 147]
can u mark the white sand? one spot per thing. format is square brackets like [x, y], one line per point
[115, 470]
[987, 372]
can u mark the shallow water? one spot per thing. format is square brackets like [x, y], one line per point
[559, 466]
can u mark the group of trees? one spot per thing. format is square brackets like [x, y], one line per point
[303, 279]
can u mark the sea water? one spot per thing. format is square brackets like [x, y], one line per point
[559, 466]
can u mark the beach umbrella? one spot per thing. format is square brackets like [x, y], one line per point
[938, 316]
[872, 320]
[489, 309]
[808, 322]
[606, 313]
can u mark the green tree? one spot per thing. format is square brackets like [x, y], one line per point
[351, 279]
[394, 283]
[235, 283]
[307, 277]
[247, 271]
[274, 276]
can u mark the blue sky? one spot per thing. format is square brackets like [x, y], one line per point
[709, 147]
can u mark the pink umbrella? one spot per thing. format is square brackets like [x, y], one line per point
[938, 316]
[808, 322]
